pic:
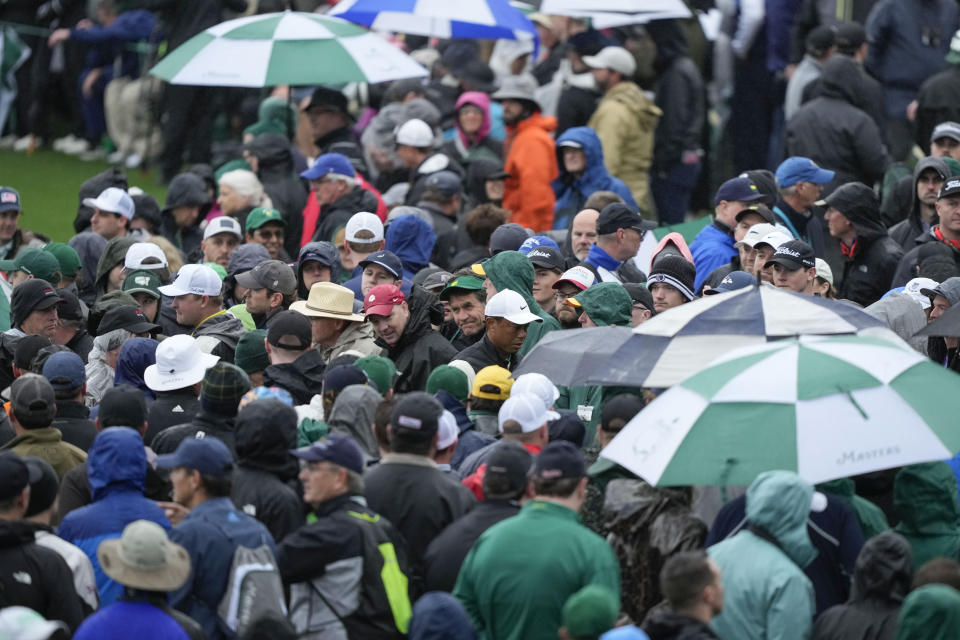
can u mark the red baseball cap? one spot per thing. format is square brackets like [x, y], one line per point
[382, 299]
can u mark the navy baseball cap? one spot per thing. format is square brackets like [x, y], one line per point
[65, 370]
[446, 182]
[9, 200]
[387, 260]
[15, 475]
[336, 448]
[793, 255]
[731, 282]
[737, 190]
[559, 459]
[328, 163]
[207, 455]
[800, 169]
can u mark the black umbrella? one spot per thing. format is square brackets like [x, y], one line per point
[947, 325]
[569, 357]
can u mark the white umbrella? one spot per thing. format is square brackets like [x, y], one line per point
[614, 13]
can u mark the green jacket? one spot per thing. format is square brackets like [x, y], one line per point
[48, 445]
[925, 500]
[931, 612]
[517, 576]
[871, 517]
[767, 594]
[511, 270]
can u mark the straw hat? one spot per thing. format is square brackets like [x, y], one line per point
[328, 300]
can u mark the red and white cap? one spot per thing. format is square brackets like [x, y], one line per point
[381, 300]
[580, 277]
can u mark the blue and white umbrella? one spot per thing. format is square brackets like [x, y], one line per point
[447, 19]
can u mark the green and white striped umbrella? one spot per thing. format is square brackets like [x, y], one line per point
[824, 407]
[292, 48]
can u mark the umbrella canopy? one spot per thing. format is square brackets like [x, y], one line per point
[483, 19]
[678, 342]
[824, 407]
[605, 14]
[292, 48]
[561, 354]
[947, 325]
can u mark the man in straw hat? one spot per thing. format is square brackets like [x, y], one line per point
[149, 566]
[336, 328]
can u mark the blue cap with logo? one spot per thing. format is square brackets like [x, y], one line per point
[330, 163]
[800, 169]
[65, 370]
[9, 199]
[208, 455]
[387, 260]
[336, 448]
[738, 189]
[731, 282]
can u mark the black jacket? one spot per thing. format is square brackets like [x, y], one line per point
[457, 338]
[834, 132]
[482, 354]
[869, 98]
[446, 553]
[867, 275]
[303, 377]
[186, 189]
[905, 229]
[420, 349]
[169, 409]
[335, 215]
[438, 161]
[343, 141]
[927, 247]
[210, 424]
[36, 577]
[81, 343]
[183, 19]
[937, 101]
[446, 230]
[286, 190]
[575, 108]
[663, 624]
[73, 421]
[419, 499]
[680, 95]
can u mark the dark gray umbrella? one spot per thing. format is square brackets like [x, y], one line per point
[947, 325]
[569, 357]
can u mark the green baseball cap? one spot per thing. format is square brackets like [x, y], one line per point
[67, 256]
[261, 216]
[451, 380]
[34, 262]
[463, 283]
[590, 612]
[142, 281]
[380, 370]
[251, 353]
[218, 268]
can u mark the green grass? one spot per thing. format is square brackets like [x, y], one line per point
[48, 182]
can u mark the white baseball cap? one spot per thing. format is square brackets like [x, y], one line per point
[755, 234]
[616, 58]
[527, 409]
[140, 251]
[180, 363]
[112, 200]
[538, 385]
[198, 279]
[222, 224]
[364, 221]
[511, 306]
[913, 287]
[415, 133]
[824, 271]
[447, 430]
[774, 239]
[578, 276]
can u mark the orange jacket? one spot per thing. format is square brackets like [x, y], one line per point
[532, 165]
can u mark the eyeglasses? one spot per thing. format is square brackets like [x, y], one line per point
[561, 295]
[266, 235]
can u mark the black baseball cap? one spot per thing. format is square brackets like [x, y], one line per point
[507, 237]
[510, 460]
[290, 330]
[123, 406]
[559, 459]
[446, 182]
[337, 448]
[546, 257]
[125, 317]
[208, 455]
[387, 260]
[639, 294]
[758, 209]
[69, 306]
[15, 475]
[793, 255]
[30, 295]
[418, 412]
[617, 215]
[950, 188]
[27, 348]
[44, 489]
[32, 400]
[622, 407]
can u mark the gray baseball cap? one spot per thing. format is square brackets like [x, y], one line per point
[270, 274]
[949, 289]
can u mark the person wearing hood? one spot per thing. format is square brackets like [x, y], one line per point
[929, 176]
[110, 266]
[135, 356]
[116, 470]
[339, 195]
[317, 262]
[353, 414]
[681, 98]
[472, 140]
[582, 173]
[264, 481]
[625, 119]
[274, 115]
[769, 595]
[336, 329]
[440, 616]
[925, 501]
[881, 581]
[511, 270]
[90, 246]
[244, 258]
[294, 365]
[187, 204]
[833, 131]
[412, 240]
[330, 124]
[271, 158]
[484, 183]
[223, 386]
[903, 315]
[531, 159]
[941, 242]
[870, 255]
[931, 612]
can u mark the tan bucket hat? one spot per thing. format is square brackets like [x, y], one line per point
[144, 558]
[328, 300]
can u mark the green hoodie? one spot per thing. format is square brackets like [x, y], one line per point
[511, 270]
[871, 517]
[931, 612]
[925, 500]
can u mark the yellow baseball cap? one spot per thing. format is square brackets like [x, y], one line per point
[492, 383]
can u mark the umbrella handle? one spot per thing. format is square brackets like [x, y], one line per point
[728, 466]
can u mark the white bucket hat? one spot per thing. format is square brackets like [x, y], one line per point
[180, 363]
